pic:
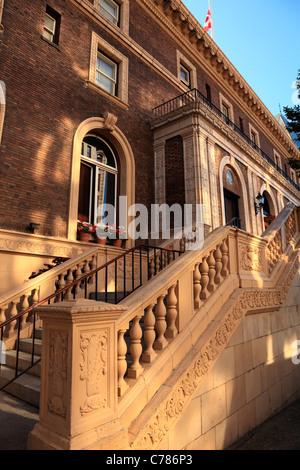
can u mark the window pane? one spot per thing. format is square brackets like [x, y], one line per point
[48, 35]
[110, 10]
[49, 23]
[105, 83]
[106, 68]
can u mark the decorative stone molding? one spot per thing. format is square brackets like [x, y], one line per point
[175, 403]
[110, 121]
[37, 245]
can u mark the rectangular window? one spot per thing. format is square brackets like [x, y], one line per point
[110, 9]
[51, 25]
[241, 125]
[253, 138]
[208, 93]
[185, 75]
[106, 74]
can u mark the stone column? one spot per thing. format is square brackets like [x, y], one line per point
[204, 178]
[160, 183]
[78, 401]
[215, 218]
[252, 198]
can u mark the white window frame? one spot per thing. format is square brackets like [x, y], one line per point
[114, 66]
[107, 14]
[47, 30]
[100, 46]
[187, 73]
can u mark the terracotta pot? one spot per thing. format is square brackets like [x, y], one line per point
[84, 236]
[101, 241]
[117, 242]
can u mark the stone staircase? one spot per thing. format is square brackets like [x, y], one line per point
[27, 386]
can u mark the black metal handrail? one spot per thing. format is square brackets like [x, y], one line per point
[235, 222]
[195, 95]
[60, 294]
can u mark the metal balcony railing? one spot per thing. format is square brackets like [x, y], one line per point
[193, 96]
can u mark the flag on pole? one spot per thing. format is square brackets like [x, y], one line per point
[208, 21]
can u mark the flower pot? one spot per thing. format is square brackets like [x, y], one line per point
[117, 242]
[84, 236]
[101, 241]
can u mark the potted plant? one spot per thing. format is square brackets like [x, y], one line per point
[102, 233]
[117, 235]
[84, 230]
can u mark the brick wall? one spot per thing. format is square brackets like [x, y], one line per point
[47, 100]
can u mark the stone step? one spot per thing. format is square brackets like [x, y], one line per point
[24, 362]
[26, 387]
[26, 346]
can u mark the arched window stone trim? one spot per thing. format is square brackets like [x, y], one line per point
[1, 13]
[230, 160]
[127, 166]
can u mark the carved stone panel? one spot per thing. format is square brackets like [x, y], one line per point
[57, 372]
[94, 368]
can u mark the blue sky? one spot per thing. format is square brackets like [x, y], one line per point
[261, 39]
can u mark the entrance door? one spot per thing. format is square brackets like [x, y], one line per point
[232, 208]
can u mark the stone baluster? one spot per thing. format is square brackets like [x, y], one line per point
[2, 314]
[158, 263]
[93, 267]
[69, 280]
[218, 259]
[78, 275]
[13, 312]
[61, 284]
[161, 325]
[149, 334]
[197, 286]
[122, 363]
[135, 348]
[151, 268]
[211, 272]
[225, 259]
[36, 295]
[204, 278]
[172, 313]
[24, 306]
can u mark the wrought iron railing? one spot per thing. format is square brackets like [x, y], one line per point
[156, 258]
[195, 95]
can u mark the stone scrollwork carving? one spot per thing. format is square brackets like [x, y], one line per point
[93, 367]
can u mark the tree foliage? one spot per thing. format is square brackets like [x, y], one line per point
[292, 115]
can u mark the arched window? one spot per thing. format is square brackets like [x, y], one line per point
[98, 179]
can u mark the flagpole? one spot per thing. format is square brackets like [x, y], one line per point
[212, 23]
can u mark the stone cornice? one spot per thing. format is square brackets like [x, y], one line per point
[179, 20]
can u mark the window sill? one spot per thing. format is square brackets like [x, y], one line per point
[100, 90]
[50, 43]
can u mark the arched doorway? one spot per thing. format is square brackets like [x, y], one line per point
[268, 209]
[108, 143]
[233, 198]
[234, 195]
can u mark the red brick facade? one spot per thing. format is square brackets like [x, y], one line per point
[47, 99]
